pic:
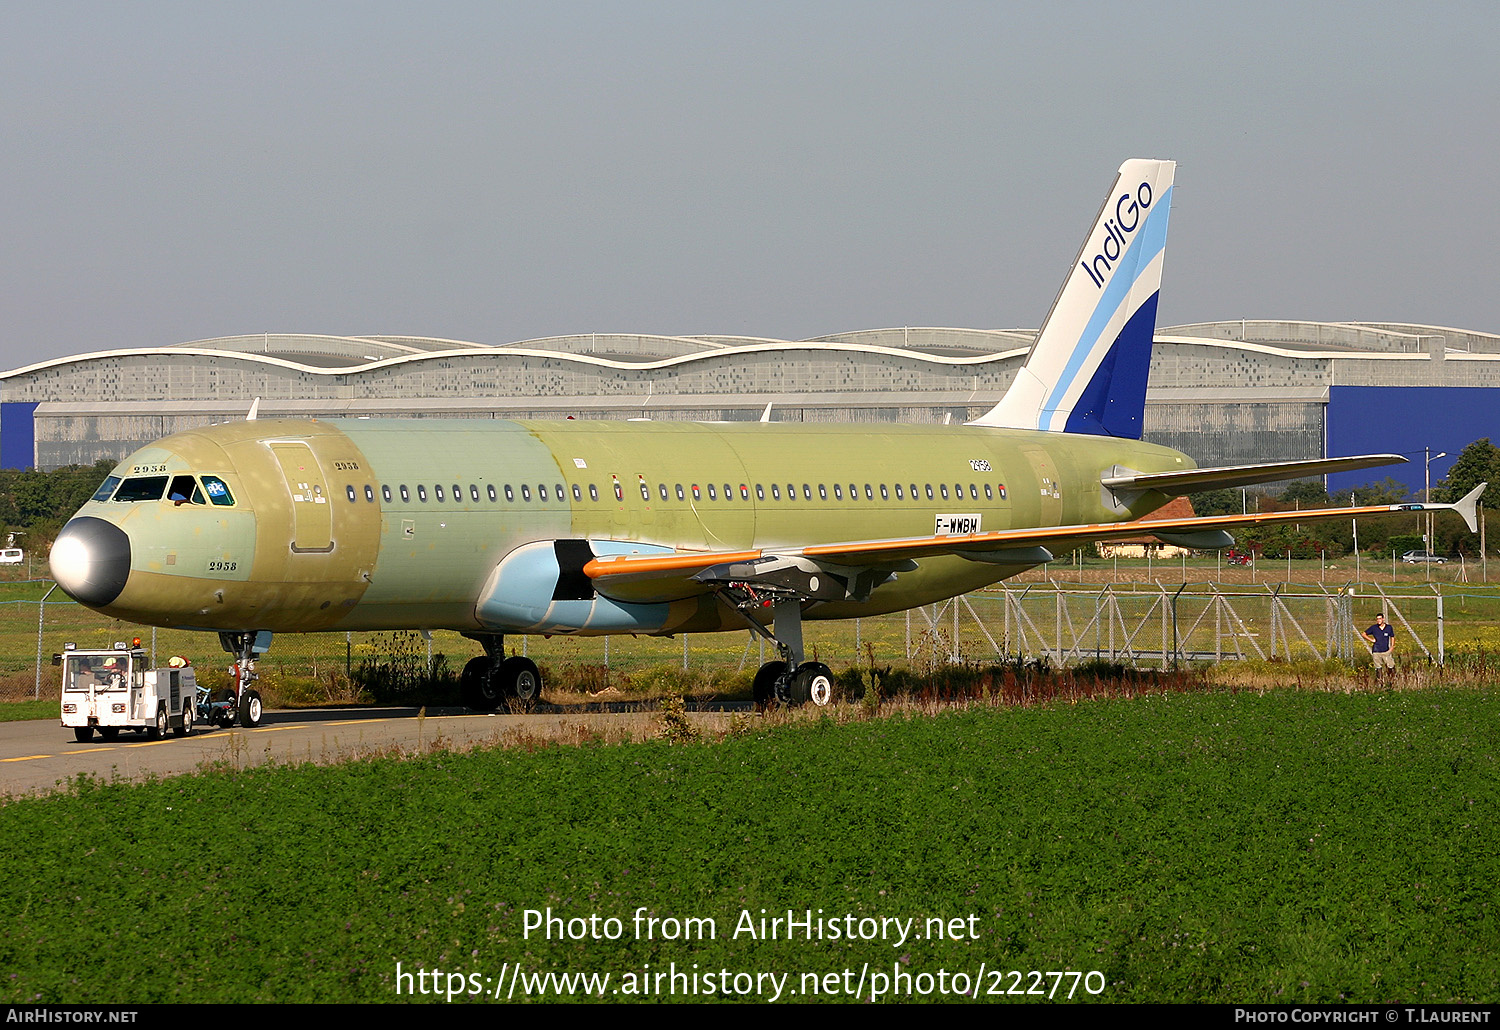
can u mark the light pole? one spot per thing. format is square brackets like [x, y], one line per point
[1427, 494]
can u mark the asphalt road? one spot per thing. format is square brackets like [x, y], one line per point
[41, 755]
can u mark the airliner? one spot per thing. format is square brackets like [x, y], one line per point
[497, 528]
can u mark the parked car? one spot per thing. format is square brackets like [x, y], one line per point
[1417, 557]
[11, 556]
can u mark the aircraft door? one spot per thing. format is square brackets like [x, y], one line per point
[312, 514]
[1049, 486]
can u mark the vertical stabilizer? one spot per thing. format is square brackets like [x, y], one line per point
[1087, 370]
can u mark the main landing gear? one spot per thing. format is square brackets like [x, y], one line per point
[790, 681]
[487, 682]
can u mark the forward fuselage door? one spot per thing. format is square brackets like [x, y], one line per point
[312, 514]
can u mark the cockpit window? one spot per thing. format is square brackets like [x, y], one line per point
[142, 488]
[184, 490]
[106, 488]
[218, 492]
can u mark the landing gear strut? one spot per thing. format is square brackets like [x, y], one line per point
[790, 681]
[245, 647]
[494, 678]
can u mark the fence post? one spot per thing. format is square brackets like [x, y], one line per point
[41, 609]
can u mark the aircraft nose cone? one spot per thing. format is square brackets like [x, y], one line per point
[91, 561]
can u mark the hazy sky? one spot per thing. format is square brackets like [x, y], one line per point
[496, 171]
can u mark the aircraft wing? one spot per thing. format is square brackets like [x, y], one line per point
[1175, 484]
[850, 570]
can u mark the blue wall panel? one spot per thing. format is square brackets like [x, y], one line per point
[1403, 420]
[17, 435]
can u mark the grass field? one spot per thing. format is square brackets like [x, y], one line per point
[1230, 846]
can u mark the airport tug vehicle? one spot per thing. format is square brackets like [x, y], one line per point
[116, 688]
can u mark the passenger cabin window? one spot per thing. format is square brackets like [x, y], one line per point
[385, 492]
[559, 488]
[422, 493]
[369, 491]
[989, 494]
[525, 492]
[838, 491]
[577, 493]
[142, 488]
[352, 495]
[822, 492]
[760, 492]
[663, 491]
[474, 493]
[776, 491]
[711, 495]
[541, 491]
[490, 491]
[405, 494]
[593, 492]
[510, 495]
[106, 488]
[885, 494]
[458, 493]
[437, 491]
[680, 494]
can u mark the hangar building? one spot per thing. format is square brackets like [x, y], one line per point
[1224, 392]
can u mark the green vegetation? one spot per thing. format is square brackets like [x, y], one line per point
[1201, 846]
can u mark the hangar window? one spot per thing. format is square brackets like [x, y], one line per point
[352, 495]
[369, 492]
[105, 489]
[405, 494]
[422, 493]
[385, 492]
[218, 491]
[510, 495]
[143, 488]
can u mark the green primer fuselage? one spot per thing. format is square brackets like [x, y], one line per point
[366, 524]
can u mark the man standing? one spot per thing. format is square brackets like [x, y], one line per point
[1381, 638]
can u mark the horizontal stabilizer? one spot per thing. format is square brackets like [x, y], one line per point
[1191, 481]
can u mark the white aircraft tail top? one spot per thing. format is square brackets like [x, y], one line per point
[1086, 372]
